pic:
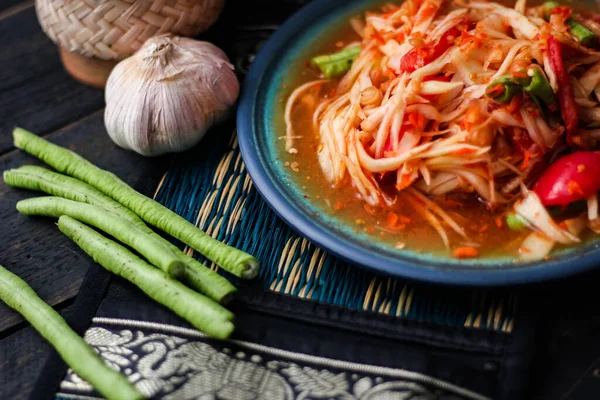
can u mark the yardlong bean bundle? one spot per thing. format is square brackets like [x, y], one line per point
[63, 160]
[154, 250]
[72, 348]
[195, 274]
[202, 312]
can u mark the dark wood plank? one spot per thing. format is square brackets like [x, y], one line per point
[32, 247]
[8, 7]
[35, 91]
[22, 357]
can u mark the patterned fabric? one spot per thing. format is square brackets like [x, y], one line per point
[170, 362]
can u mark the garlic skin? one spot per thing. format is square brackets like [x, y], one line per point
[164, 97]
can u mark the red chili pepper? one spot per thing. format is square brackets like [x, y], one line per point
[573, 177]
[566, 97]
[419, 57]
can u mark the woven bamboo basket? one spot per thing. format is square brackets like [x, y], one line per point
[93, 35]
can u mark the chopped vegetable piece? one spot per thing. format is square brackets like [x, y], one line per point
[557, 184]
[499, 222]
[336, 64]
[503, 89]
[466, 252]
[535, 247]
[538, 87]
[338, 205]
[121, 229]
[515, 222]
[63, 160]
[72, 348]
[566, 96]
[549, 5]
[195, 274]
[533, 211]
[200, 311]
[581, 33]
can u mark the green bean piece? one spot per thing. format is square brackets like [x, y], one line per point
[121, 229]
[336, 64]
[195, 274]
[65, 161]
[538, 87]
[515, 222]
[510, 86]
[72, 348]
[200, 311]
[581, 33]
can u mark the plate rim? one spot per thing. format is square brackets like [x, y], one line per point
[327, 240]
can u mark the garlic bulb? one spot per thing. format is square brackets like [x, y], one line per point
[164, 97]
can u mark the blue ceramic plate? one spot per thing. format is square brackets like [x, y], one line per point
[259, 121]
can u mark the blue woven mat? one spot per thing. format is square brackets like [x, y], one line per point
[216, 193]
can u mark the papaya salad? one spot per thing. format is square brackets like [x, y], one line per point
[435, 103]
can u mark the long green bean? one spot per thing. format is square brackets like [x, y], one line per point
[121, 229]
[195, 274]
[202, 312]
[72, 348]
[63, 160]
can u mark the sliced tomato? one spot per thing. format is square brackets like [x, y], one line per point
[571, 178]
[415, 59]
[419, 57]
[446, 41]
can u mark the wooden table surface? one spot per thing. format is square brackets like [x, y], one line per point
[37, 94]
